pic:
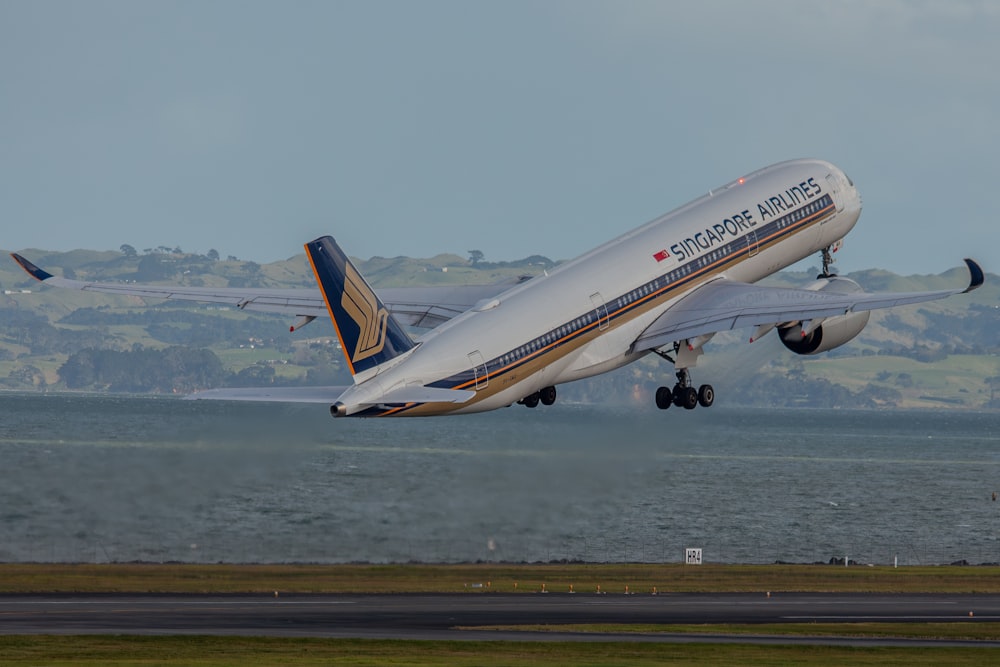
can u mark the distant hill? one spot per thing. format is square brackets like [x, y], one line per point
[941, 354]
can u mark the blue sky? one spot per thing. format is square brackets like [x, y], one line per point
[413, 128]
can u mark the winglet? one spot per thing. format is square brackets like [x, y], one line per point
[33, 271]
[976, 273]
[369, 335]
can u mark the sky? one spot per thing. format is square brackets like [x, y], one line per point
[514, 128]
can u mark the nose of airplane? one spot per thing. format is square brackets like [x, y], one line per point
[856, 196]
[851, 195]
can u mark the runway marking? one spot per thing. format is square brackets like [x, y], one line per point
[180, 603]
[772, 602]
[886, 618]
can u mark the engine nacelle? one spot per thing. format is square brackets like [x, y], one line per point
[834, 331]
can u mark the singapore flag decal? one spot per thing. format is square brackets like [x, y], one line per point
[664, 256]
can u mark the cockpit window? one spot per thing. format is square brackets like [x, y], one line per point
[849, 181]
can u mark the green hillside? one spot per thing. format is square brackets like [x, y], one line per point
[941, 354]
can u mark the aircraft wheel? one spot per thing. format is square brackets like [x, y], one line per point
[706, 395]
[664, 397]
[678, 395]
[547, 395]
[531, 401]
[690, 397]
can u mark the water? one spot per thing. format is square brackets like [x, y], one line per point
[98, 479]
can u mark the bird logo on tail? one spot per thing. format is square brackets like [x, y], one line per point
[361, 304]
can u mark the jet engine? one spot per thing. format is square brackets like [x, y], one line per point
[833, 331]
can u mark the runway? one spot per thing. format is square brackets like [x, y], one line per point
[457, 616]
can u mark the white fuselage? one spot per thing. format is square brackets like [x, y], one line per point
[583, 317]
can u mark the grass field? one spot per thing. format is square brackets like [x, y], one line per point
[639, 578]
[252, 651]
[957, 380]
[483, 578]
[971, 631]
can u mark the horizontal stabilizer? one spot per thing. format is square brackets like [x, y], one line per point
[331, 395]
[367, 394]
[271, 395]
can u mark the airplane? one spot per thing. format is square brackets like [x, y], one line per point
[665, 288]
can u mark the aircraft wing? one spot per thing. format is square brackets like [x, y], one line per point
[723, 305]
[428, 307]
[424, 307]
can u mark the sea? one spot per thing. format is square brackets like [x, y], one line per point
[99, 479]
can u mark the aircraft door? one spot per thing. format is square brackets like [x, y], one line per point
[479, 370]
[752, 248]
[600, 310]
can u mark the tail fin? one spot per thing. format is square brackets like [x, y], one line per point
[368, 334]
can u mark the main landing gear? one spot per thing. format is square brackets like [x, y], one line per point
[545, 396]
[684, 395]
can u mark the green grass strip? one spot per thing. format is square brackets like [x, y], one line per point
[506, 578]
[959, 630]
[83, 651]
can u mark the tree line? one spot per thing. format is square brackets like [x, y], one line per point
[175, 369]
